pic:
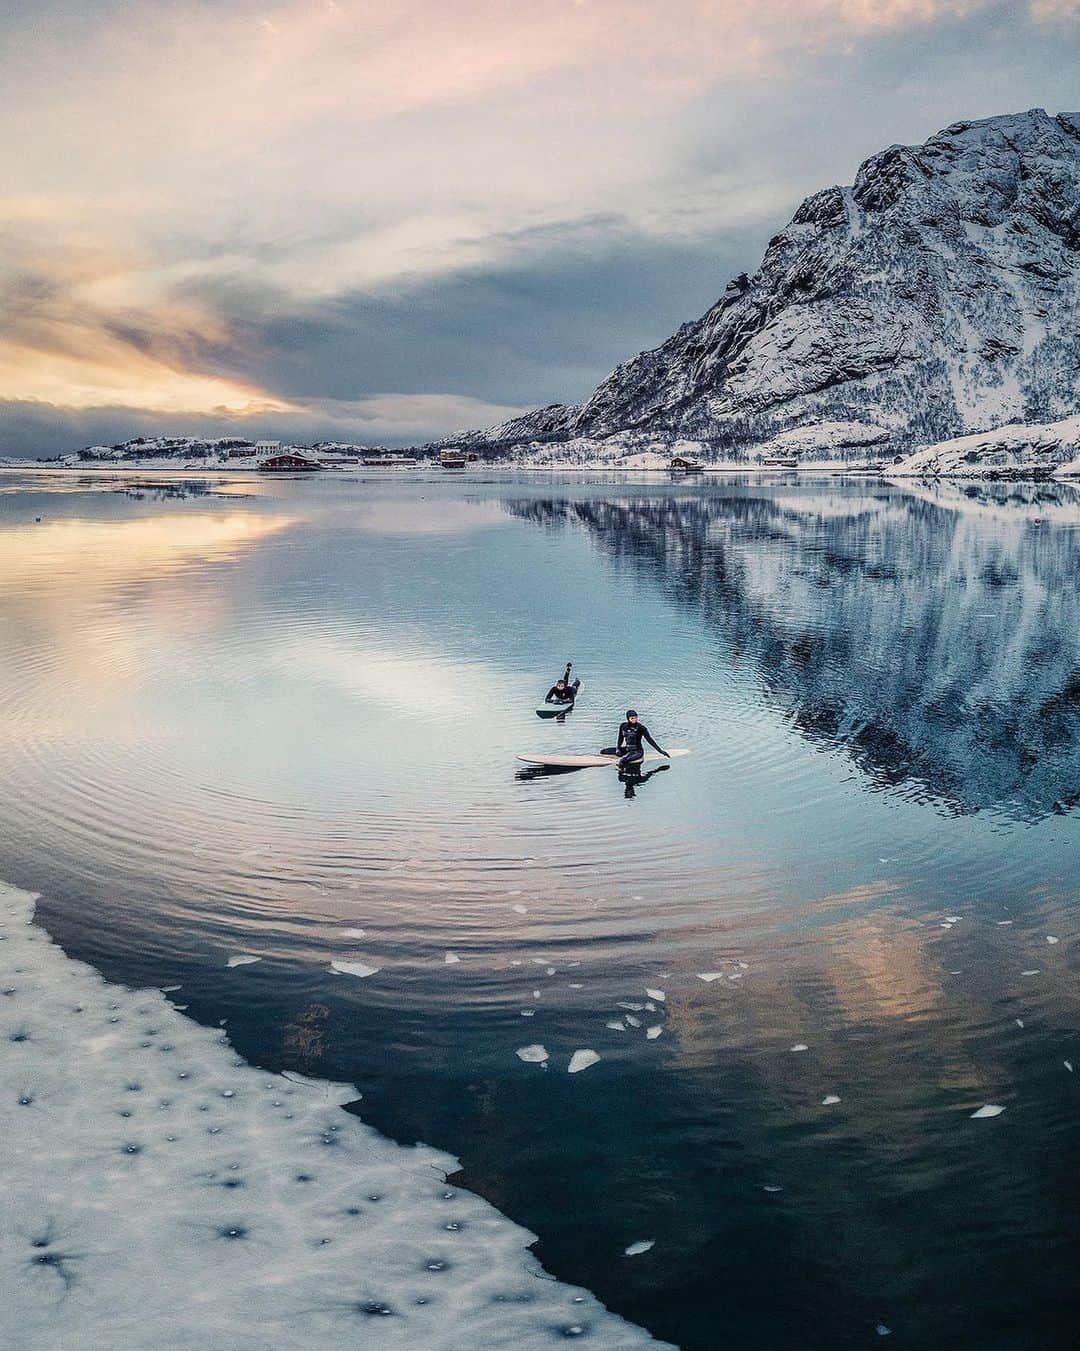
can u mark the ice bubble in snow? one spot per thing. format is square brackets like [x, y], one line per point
[310, 1252]
[636, 1249]
[653, 1032]
[581, 1060]
[351, 933]
[1051, 939]
[829, 1100]
[991, 1109]
[354, 968]
[710, 975]
[242, 959]
[451, 959]
[800, 1046]
[532, 1055]
[658, 995]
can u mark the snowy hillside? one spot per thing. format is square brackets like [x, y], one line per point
[934, 297]
[1016, 450]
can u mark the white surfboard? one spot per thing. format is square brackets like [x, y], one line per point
[588, 761]
[553, 710]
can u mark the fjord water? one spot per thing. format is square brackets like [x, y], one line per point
[242, 717]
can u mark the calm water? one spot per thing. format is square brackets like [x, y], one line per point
[240, 717]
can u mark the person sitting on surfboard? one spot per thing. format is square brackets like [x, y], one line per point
[563, 692]
[628, 747]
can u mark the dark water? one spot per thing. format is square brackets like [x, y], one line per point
[239, 716]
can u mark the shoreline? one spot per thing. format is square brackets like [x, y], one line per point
[162, 1191]
[833, 470]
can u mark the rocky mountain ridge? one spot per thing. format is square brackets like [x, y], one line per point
[934, 297]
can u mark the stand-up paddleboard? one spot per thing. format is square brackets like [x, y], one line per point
[589, 761]
[546, 710]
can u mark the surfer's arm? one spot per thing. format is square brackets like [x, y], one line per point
[550, 694]
[648, 737]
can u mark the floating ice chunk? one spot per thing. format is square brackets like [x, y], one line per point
[770, 1187]
[536, 994]
[829, 1100]
[242, 959]
[351, 933]
[527, 1013]
[354, 968]
[1019, 1022]
[549, 971]
[953, 919]
[1068, 1065]
[634, 1022]
[616, 1024]
[707, 976]
[883, 1331]
[576, 985]
[653, 1032]
[658, 995]
[1033, 972]
[168, 989]
[1002, 922]
[1051, 939]
[451, 959]
[991, 1109]
[800, 1046]
[625, 1004]
[736, 975]
[636, 1249]
[520, 909]
[581, 1060]
[532, 1055]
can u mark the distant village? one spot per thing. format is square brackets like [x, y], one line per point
[237, 452]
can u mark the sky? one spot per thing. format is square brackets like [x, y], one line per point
[387, 221]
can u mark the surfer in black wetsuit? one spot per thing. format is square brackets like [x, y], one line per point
[629, 748]
[563, 691]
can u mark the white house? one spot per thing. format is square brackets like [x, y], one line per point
[267, 447]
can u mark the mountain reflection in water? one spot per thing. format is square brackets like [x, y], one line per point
[935, 636]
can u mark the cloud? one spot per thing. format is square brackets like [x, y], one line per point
[242, 209]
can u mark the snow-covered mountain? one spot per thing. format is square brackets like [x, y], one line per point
[935, 297]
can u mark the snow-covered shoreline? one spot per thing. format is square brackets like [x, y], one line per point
[160, 1191]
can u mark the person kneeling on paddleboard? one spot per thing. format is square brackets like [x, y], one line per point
[629, 748]
[563, 691]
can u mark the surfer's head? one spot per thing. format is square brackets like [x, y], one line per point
[631, 715]
[560, 684]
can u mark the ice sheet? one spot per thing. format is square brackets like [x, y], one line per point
[156, 1190]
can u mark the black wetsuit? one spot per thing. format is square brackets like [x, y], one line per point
[629, 747]
[564, 696]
